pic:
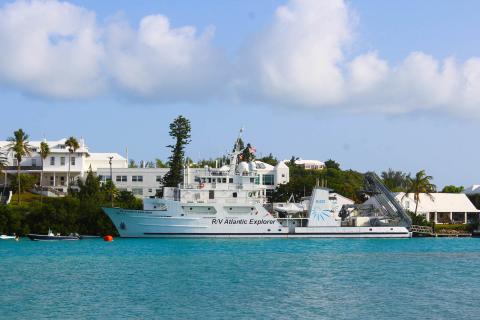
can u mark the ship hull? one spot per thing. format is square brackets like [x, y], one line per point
[177, 224]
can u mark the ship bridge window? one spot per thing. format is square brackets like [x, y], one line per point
[224, 180]
[268, 180]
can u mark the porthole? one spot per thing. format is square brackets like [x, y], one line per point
[208, 208]
[190, 208]
[182, 215]
[252, 208]
[391, 229]
[230, 208]
[279, 229]
[370, 229]
[268, 230]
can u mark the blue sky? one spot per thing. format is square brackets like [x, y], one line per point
[363, 82]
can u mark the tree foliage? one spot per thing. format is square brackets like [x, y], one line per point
[348, 183]
[421, 183]
[395, 181]
[79, 212]
[270, 159]
[331, 164]
[27, 182]
[180, 132]
[20, 147]
[452, 189]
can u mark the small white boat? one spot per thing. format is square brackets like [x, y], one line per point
[5, 237]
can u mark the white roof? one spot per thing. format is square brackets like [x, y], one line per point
[105, 156]
[263, 165]
[55, 145]
[475, 189]
[307, 162]
[441, 202]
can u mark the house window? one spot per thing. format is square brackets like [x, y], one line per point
[268, 180]
[121, 178]
[62, 161]
[137, 178]
[72, 161]
[52, 161]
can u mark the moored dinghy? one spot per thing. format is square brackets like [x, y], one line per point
[52, 237]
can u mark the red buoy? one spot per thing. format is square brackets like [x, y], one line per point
[108, 238]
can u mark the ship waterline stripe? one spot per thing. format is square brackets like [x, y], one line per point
[274, 234]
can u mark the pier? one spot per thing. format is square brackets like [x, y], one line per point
[427, 231]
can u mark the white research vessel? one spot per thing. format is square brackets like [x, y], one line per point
[226, 202]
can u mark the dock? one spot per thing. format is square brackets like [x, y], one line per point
[427, 231]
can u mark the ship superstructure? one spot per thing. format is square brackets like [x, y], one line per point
[227, 202]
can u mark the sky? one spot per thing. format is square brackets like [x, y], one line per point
[371, 84]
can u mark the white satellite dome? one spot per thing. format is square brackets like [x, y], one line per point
[243, 167]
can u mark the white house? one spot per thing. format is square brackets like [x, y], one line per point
[309, 164]
[55, 166]
[147, 182]
[440, 208]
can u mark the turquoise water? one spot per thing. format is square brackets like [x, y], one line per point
[241, 279]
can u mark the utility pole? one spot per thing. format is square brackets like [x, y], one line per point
[111, 180]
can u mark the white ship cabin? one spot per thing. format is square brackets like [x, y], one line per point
[228, 184]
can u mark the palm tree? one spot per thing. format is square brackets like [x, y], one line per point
[20, 148]
[3, 164]
[72, 145]
[44, 152]
[420, 184]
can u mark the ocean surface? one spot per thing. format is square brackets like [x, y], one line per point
[241, 279]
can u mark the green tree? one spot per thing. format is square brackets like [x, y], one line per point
[270, 159]
[394, 180]
[160, 164]
[452, 189]
[180, 131]
[421, 183]
[132, 164]
[331, 164]
[44, 152]
[27, 182]
[72, 144]
[20, 147]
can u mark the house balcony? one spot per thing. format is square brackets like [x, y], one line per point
[23, 168]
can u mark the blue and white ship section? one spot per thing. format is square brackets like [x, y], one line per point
[226, 202]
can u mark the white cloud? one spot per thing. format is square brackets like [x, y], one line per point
[299, 61]
[163, 63]
[59, 50]
[50, 49]
[296, 60]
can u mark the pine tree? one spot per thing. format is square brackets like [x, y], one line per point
[180, 131]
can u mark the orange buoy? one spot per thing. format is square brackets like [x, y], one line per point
[108, 238]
